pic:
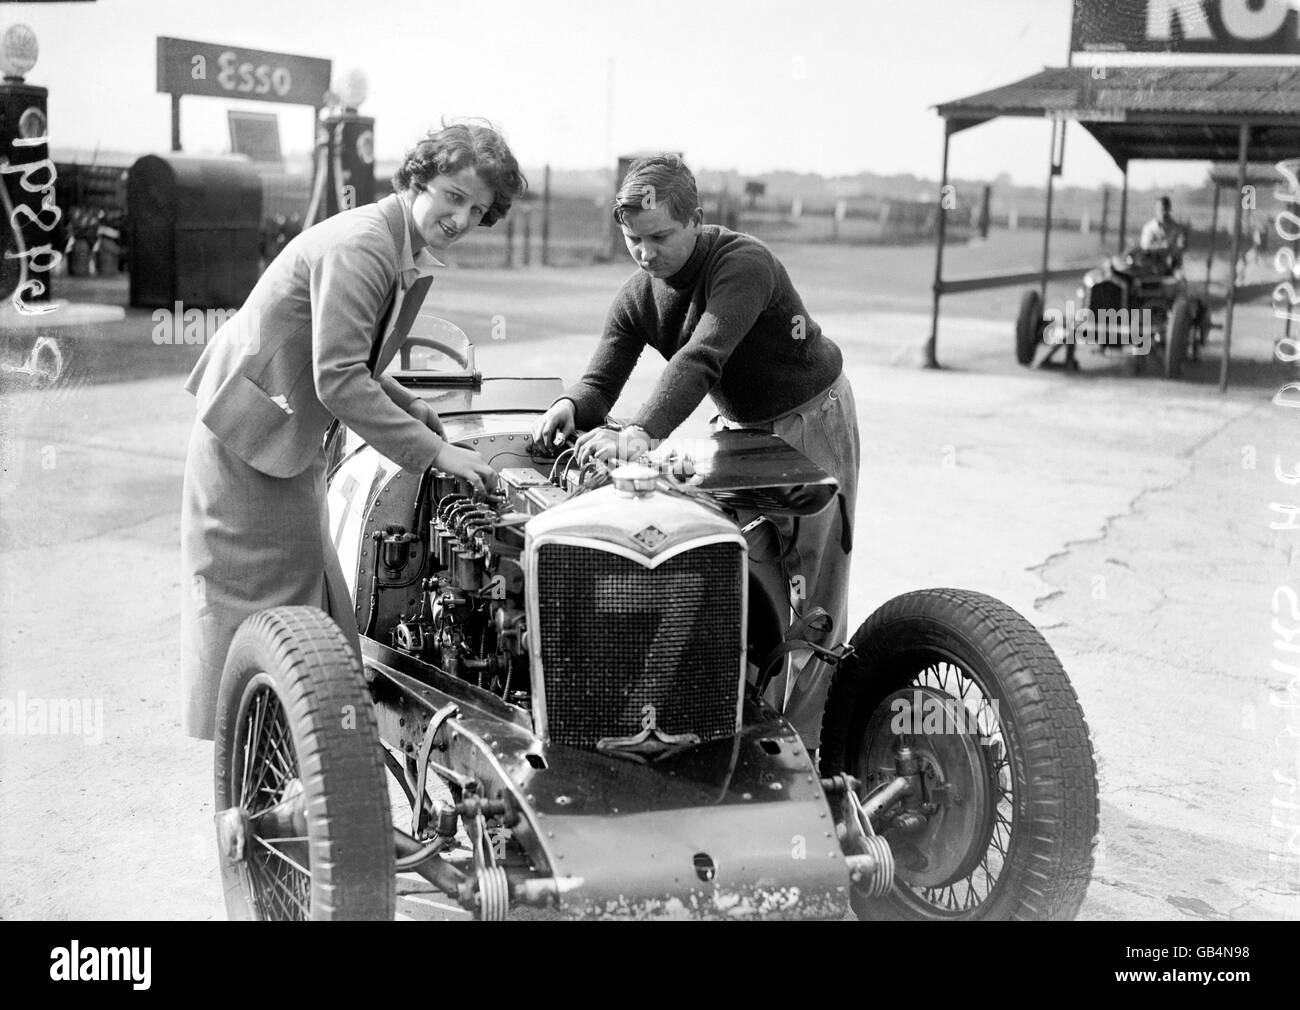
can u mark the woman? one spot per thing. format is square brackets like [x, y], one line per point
[309, 345]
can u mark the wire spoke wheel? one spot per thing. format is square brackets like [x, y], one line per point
[303, 823]
[279, 868]
[950, 723]
[1006, 817]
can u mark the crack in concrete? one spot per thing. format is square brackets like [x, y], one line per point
[1126, 886]
[1132, 507]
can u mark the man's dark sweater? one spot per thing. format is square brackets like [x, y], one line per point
[729, 323]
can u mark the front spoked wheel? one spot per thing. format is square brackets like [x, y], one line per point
[303, 824]
[959, 691]
[269, 799]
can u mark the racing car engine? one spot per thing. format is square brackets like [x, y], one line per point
[469, 614]
[613, 608]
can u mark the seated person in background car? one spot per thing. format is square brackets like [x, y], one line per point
[1162, 234]
[720, 309]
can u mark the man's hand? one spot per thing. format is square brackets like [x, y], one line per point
[427, 416]
[606, 444]
[556, 426]
[465, 463]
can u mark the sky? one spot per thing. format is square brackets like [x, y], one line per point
[829, 86]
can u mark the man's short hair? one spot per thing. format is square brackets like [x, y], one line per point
[661, 179]
[1166, 204]
[460, 145]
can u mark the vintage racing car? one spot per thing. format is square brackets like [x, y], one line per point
[570, 698]
[1139, 301]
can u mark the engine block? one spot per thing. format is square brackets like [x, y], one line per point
[614, 615]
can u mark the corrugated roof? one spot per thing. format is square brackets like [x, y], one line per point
[1218, 90]
[1155, 112]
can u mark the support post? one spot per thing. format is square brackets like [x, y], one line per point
[1214, 238]
[931, 358]
[176, 121]
[1052, 168]
[546, 217]
[1243, 148]
[1123, 212]
[1105, 215]
[318, 132]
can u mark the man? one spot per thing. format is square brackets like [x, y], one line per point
[309, 345]
[1163, 234]
[720, 308]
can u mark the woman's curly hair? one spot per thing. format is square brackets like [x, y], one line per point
[460, 145]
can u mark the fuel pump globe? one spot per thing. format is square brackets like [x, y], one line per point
[18, 52]
[355, 89]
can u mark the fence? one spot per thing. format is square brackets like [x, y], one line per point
[574, 228]
[573, 231]
[859, 221]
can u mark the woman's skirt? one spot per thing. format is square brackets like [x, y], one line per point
[248, 542]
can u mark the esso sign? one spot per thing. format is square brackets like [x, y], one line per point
[191, 67]
[243, 77]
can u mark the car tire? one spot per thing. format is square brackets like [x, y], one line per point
[1029, 327]
[299, 776]
[1031, 765]
[1178, 335]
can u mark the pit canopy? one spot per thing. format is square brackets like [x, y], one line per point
[1157, 113]
[1204, 113]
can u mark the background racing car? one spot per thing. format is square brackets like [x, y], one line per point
[1139, 301]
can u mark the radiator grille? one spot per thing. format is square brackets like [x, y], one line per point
[616, 636]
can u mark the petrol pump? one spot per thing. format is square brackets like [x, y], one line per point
[33, 225]
[345, 154]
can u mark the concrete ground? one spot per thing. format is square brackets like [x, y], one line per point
[1126, 516]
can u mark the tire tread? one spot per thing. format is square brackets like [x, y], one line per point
[1058, 839]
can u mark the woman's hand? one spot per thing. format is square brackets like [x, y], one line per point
[465, 463]
[556, 426]
[428, 417]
